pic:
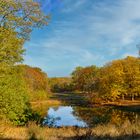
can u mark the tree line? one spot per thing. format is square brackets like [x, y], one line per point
[119, 79]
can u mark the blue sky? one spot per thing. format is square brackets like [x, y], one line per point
[84, 32]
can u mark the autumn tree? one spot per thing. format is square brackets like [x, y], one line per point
[111, 81]
[36, 82]
[132, 76]
[61, 84]
[35, 78]
[120, 79]
[84, 79]
[21, 16]
[17, 19]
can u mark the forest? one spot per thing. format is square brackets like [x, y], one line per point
[22, 86]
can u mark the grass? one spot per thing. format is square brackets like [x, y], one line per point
[109, 131]
[42, 106]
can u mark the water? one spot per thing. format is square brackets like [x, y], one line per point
[89, 117]
[63, 116]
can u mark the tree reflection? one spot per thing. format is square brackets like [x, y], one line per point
[105, 115]
[51, 121]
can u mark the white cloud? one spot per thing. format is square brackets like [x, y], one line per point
[91, 33]
[119, 27]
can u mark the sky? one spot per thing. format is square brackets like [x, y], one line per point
[84, 33]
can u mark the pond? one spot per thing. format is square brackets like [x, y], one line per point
[63, 116]
[88, 117]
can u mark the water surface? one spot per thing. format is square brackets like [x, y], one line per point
[89, 117]
[63, 116]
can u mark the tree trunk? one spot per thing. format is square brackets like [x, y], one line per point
[122, 97]
[133, 98]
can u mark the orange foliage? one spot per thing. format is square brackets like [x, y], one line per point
[35, 78]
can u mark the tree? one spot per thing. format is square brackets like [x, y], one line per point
[21, 16]
[132, 76]
[11, 47]
[14, 103]
[111, 81]
[36, 82]
[17, 19]
[120, 79]
[61, 84]
[85, 78]
[35, 78]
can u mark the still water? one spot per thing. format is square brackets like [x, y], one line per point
[89, 117]
[63, 116]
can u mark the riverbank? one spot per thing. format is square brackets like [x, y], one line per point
[79, 100]
[83, 98]
[59, 99]
[127, 104]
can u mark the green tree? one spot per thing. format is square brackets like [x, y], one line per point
[14, 104]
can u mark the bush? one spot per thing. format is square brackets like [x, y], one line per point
[39, 95]
[14, 105]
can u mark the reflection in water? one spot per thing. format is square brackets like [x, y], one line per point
[89, 117]
[106, 115]
[94, 116]
[62, 116]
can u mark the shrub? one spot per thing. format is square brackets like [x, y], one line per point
[14, 105]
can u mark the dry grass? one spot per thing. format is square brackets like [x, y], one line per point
[35, 132]
[42, 106]
[49, 102]
[109, 131]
